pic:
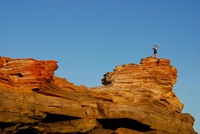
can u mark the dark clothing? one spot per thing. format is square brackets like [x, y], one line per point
[155, 51]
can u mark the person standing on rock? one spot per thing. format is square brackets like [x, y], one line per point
[155, 51]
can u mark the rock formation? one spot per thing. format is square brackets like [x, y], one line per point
[135, 99]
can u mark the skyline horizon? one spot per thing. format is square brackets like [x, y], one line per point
[89, 38]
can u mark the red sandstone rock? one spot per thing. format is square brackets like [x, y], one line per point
[136, 99]
[26, 73]
[153, 73]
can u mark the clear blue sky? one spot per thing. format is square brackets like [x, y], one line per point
[90, 37]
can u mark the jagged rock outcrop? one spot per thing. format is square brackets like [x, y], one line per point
[135, 99]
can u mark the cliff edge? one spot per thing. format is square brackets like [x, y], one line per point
[135, 99]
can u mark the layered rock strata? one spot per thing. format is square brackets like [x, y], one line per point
[135, 99]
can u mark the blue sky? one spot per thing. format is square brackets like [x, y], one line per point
[89, 38]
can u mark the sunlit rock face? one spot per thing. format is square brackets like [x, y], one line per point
[134, 98]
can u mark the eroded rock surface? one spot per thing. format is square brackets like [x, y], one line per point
[135, 99]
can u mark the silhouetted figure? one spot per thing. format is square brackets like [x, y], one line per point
[155, 51]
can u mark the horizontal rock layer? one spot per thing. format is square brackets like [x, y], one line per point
[135, 99]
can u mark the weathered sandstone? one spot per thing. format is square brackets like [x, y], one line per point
[135, 99]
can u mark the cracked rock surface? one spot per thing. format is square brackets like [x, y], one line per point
[134, 98]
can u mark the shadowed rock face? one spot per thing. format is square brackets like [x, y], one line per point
[135, 99]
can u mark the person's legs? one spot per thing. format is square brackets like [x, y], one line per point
[155, 55]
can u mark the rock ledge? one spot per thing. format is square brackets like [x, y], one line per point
[135, 99]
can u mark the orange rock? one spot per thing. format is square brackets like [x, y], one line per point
[27, 73]
[152, 73]
[136, 99]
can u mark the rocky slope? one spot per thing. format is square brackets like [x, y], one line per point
[135, 99]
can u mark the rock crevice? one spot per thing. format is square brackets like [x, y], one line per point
[135, 98]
